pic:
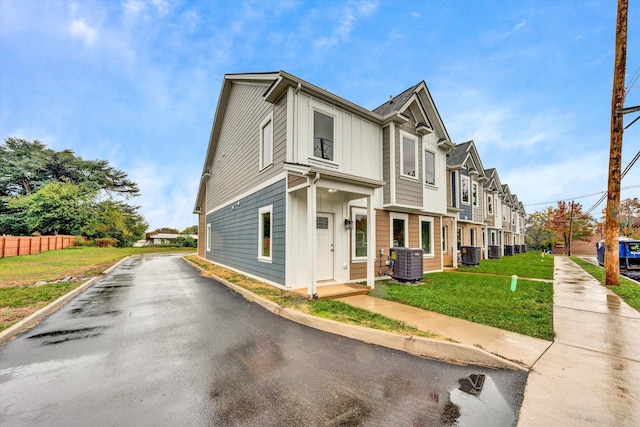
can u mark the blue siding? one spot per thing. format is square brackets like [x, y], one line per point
[467, 210]
[234, 234]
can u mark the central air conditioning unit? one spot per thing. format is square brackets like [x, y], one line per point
[470, 255]
[494, 252]
[508, 250]
[407, 264]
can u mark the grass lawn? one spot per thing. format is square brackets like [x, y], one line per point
[482, 299]
[629, 291]
[19, 294]
[527, 264]
[329, 309]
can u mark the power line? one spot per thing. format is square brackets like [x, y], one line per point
[579, 197]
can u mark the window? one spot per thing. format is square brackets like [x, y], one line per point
[445, 232]
[208, 237]
[429, 168]
[493, 238]
[459, 237]
[266, 142]
[265, 225]
[323, 136]
[465, 189]
[473, 237]
[359, 234]
[474, 194]
[408, 151]
[426, 235]
[399, 231]
[489, 204]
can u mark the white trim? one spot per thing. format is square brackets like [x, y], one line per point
[424, 169]
[358, 211]
[249, 192]
[263, 210]
[405, 218]
[444, 239]
[431, 220]
[392, 161]
[415, 140]
[208, 237]
[467, 179]
[313, 108]
[263, 124]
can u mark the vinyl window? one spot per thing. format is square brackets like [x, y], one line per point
[266, 142]
[408, 155]
[426, 235]
[399, 230]
[429, 168]
[265, 225]
[323, 136]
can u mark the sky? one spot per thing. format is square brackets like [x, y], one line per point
[136, 82]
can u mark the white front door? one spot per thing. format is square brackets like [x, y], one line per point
[324, 246]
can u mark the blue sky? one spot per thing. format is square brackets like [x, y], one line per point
[136, 82]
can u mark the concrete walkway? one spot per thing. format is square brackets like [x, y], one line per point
[591, 373]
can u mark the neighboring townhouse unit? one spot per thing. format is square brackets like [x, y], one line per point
[301, 188]
[465, 179]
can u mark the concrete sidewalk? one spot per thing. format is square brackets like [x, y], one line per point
[590, 374]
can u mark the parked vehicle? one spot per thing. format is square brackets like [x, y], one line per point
[629, 253]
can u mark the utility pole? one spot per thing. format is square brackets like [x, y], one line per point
[611, 254]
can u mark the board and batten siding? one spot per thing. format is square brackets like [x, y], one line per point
[466, 214]
[235, 234]
[357, 141]
[408, 191]
[236, 165]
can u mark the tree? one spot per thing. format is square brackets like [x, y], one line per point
[192, 229]
[568, 223]
[629, 217]
[56, 208]
[25, 167]
[538, 233]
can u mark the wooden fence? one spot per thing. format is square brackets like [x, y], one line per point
[25, 245]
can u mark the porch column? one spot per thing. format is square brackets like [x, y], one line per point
[311, 236]
[454, 251]
[371, 244]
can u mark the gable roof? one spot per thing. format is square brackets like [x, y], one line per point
[466, 155]
[419, 96]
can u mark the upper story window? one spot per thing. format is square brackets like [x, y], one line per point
[409, 159]
[323, 136]
[465, 190]
[429, 168]
[474, 194]
[489, 204]
[266, 142]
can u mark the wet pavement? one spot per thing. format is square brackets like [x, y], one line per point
[589, 376]
[156, 344]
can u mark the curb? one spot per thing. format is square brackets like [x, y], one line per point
[430, 348]
[35, 318]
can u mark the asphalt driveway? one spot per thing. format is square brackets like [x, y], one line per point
[154, 343]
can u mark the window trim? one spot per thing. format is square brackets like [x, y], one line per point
[333, 116]
[490, 203]
[263, 210]
[473, 238]
[474, 193]
[354, 212]
[415, 141]
[424, 167]
[263, 124]
[465, 180]
[208, 237]
[431, 220]
[405, 218]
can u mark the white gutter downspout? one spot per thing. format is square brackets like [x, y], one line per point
[311, 236]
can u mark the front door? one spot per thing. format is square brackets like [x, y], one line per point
[324, 246]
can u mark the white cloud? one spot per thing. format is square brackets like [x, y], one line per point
[81, 30]
[348, 16]
[520, 24]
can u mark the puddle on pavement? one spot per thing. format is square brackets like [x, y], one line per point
[61, 336]
[476, 403]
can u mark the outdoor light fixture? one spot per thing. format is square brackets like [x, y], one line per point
[332, 190]
[348, 224]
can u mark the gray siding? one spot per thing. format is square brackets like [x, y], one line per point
[234, 234]
[236, 165]
[467, 210]
[408, 192]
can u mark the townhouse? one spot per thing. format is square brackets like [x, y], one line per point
[301, 188]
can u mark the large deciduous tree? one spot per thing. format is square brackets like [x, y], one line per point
[538, 233]
[57, 192]
[629, 217]
[568, 223]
